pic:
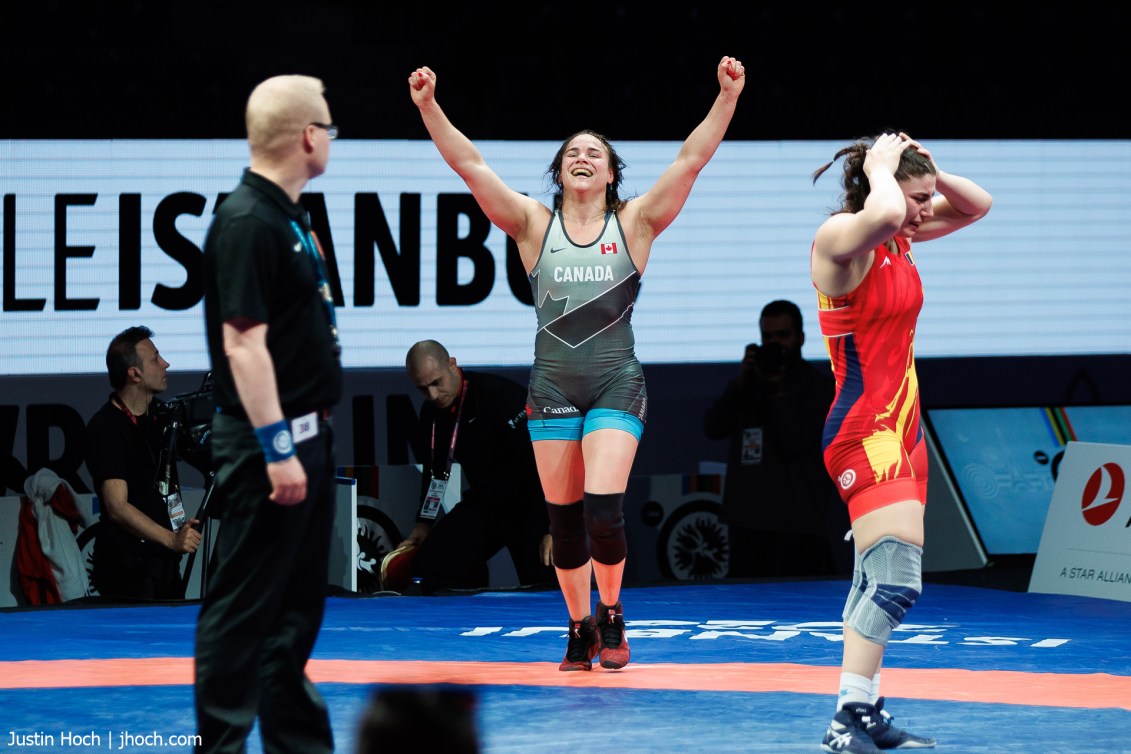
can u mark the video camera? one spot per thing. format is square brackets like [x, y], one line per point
[186, 424]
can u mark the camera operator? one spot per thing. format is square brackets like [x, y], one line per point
[143, 531]
[776, 500]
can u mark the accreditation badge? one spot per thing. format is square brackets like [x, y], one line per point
[752, 446]
[434, 498]
[176, 508]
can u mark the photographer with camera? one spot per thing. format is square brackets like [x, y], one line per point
[777, 500]
[143, 531]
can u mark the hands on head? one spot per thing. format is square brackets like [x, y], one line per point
[918, 147]
[887, 148]
[885, 152]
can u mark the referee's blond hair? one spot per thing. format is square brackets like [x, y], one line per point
[278, 110]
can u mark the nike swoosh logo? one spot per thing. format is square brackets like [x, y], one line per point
[555, 251]
[298, 247]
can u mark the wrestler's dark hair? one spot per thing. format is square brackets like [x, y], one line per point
[122, 354]
[612, 195]
[780, 307]
[856, 186]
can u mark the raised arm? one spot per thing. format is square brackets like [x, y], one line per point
[657, 208]
[850, 235]
[842, 247]
[509, 210]
[959, 202]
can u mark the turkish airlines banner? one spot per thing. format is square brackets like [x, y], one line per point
[1086, 546]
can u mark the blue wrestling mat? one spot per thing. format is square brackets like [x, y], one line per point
[749, 667]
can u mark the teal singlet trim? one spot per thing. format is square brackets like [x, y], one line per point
[574, 428]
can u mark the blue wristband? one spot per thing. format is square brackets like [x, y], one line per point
[275, 439]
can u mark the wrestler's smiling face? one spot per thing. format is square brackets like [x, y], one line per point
[585, 164]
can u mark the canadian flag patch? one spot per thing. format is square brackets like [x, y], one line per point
[608, 248]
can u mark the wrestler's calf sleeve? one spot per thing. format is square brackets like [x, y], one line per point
[569, 547]
[604, 520]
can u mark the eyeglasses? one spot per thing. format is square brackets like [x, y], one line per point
[331, 129]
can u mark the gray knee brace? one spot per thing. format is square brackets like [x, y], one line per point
[856, 593]
[892, 579]
[604, 519]
[567, 534]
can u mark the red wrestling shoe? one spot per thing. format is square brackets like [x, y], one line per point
[584, 643]
[614, 644]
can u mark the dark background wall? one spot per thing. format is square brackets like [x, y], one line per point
[42, 417]
[635, 71]
[541, 70]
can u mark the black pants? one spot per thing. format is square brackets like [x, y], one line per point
[456, 551]
[143, 578]
[261, 615]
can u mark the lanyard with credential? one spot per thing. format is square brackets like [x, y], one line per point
[438, 485]
[165, 487]
[117, 401]
[313, 249]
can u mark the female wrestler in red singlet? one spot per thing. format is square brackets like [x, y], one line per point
[869, 297]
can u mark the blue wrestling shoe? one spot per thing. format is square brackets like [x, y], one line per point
[848, 730]
[887, 736]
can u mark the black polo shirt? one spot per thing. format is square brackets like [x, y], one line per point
[257, 266]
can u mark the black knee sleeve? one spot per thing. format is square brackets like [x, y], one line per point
[604, 520]
[567, 531]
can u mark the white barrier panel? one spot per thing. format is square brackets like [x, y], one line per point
[374, 516]
[343, 544]
[368, 524]
[1086, 546]
[370, 520]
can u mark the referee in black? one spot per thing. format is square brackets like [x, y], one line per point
[274, 347]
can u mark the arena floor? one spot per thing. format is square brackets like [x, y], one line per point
[716, 667]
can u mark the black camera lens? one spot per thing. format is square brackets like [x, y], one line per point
[770, 358]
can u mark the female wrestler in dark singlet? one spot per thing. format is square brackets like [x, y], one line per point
[587, 403]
